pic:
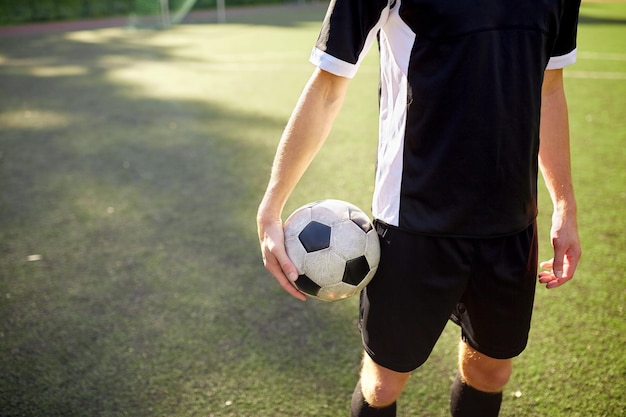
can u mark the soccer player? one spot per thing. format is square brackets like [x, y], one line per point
[467, 90]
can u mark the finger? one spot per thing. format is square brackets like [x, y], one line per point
[568, 274]
[285, 281]
[290, 287]
[556, 283]
[289, 269]
[546, 277]
[546, 264]
[549, 280]
[552, 281]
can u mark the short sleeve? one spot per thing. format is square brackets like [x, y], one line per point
[348, 32]
[564, 50]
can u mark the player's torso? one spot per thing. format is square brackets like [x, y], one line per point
[440, 19]
[473, 72]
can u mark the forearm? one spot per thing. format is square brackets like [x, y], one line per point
[305, 133]
[554, 151]
[554, 160]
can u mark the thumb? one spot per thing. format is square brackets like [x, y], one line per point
[557, 262]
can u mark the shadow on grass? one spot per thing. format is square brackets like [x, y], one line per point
[144, 293]
[284, 15]
[595, 20]
[273, 15]
[602, 13]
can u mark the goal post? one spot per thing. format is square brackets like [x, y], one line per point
[180, 10]
[165, 14]
[221, 11]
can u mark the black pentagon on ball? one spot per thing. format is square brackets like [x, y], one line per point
[360, 220]
[306, 285]
[315, 236]
[356, 270]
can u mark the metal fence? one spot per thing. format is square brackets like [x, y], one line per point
[23, 11]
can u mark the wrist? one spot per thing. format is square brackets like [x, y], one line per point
[269, 211]
[565, 207]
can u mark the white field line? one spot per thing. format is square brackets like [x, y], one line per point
[595, 75]
[598, 75]
[607, 56]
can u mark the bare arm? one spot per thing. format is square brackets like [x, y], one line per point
[554, 161]
[306, 131]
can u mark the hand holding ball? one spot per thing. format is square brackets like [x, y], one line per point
[334, 247]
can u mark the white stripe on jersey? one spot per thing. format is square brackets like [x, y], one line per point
[396, 41]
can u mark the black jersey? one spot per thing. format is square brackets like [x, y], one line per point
[460, 101]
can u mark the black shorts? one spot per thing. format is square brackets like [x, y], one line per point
[487, 286]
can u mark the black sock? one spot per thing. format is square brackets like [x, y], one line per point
[466, 401]
[360, 407]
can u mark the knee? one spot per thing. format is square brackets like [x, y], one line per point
[484, 373]
[380, 393]
[380, 386]
[491, 379]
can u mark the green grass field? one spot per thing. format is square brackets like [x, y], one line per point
[131, 164]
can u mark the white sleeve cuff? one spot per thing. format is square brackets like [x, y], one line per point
[331, 64]
[562, 61]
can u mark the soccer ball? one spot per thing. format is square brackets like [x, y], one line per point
[334, 247]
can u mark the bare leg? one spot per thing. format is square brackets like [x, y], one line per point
[483, 372]
[377, 390]
[477, 389]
